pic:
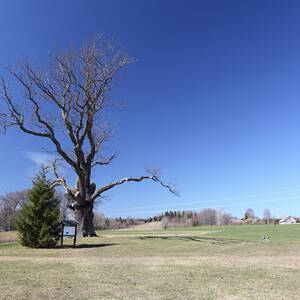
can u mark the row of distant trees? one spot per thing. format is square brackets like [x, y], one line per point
[101, 222]
[267, 219]
[11, 204]
[209, 216]
[167, 219]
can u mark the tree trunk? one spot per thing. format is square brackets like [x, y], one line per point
[85, 217]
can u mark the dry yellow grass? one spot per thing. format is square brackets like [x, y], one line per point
[8, 236]
[202, 263]
[146, 226]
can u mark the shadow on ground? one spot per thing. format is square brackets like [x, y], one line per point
[86, 246]
[220, 241]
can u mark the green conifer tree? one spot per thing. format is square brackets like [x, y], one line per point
[38, 224]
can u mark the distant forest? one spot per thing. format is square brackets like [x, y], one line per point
[11, 203]
[188, 218]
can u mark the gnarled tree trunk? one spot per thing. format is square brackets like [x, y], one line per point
[85, 217]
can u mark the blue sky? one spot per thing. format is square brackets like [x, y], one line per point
[213, 99]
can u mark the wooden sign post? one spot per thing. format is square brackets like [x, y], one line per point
[68, 229]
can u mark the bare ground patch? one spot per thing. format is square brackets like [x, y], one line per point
[292, 262]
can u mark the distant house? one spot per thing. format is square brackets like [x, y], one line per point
[288, 220]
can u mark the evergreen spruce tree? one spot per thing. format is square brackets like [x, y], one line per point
[38, 224]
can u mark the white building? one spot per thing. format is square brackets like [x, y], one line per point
[288, 220]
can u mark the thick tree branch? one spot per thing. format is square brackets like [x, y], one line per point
[133, 179]
[59, 180]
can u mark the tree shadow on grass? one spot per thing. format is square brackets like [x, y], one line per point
[219, 241]
[87, 246]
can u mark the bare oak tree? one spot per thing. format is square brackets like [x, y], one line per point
[65, 105]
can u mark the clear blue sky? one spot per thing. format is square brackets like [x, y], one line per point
[214, 98]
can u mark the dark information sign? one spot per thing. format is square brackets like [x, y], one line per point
[68, 229]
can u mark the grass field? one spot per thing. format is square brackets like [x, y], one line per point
[231, 262]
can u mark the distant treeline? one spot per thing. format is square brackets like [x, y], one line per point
[210, 216]
[11, 203]
[101, 222]
[207, 216]
[186, 218]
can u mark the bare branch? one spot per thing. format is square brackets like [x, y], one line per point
[14, 116]
[105, 161]
[59, 179]
[133, 179]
